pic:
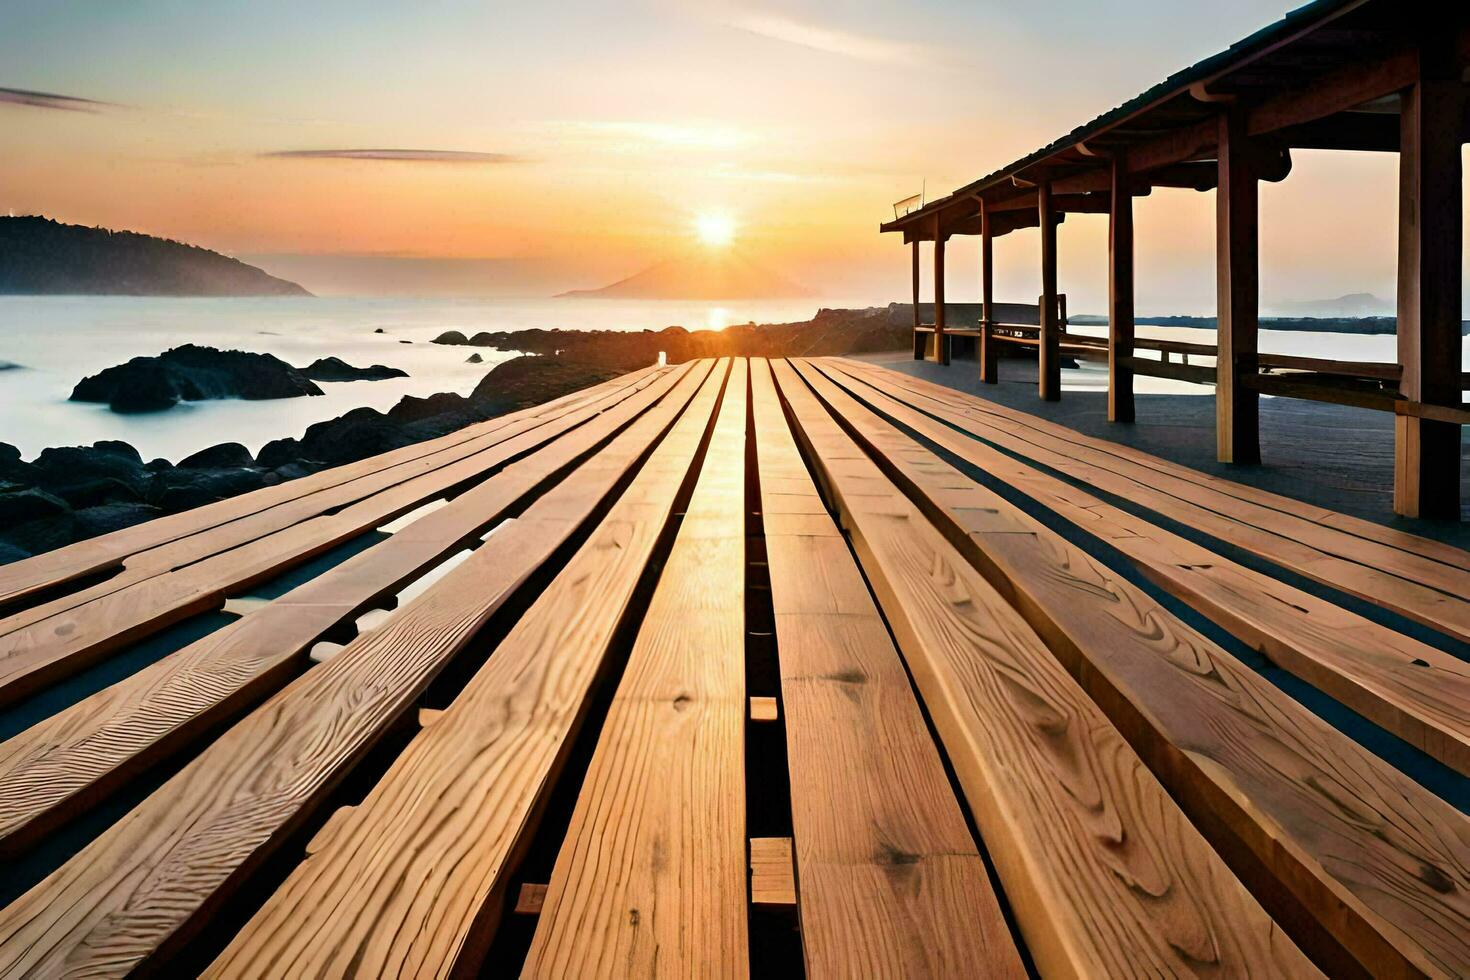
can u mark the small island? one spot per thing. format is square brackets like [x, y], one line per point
[39, 256]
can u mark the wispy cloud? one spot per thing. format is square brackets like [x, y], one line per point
[49, 100]
[398, 156]
[819, 37]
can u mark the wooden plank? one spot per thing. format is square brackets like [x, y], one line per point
[49, 648]
[79, 755]
[892, 883]
[1416, 691]
[1104, 874]
[763, 709]
[1431, 195]
[1120, 295]
[651, 877]
[1246, 761]
[1237, 292]
[530, 899]
[772, 874]
[177, 554]
[1438, 552]
[460, 804]
[24, 579]
[143, 887]
[1425, 590]
[1048, 362]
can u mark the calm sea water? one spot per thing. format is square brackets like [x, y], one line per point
[56, 341]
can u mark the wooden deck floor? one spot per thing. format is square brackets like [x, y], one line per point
[741, 667]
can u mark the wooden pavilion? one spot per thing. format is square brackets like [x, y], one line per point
[1336, 74]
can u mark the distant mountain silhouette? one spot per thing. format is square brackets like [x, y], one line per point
[1353, 304]
[707, 274]
[41, 256]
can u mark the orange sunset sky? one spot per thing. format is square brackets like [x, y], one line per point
[577, 142]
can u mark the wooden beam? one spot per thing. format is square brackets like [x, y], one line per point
[989, 355]
[918, 320]
[1120, 297]
[1426, 451]
[1049, 365]
[941, 343]
[1237, 435]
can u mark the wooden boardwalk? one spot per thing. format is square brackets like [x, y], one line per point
[504, 702]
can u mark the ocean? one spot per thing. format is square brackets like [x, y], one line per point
[55, 341]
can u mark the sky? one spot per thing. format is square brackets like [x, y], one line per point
[565, 144]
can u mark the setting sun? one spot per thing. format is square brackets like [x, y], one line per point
[715, 229]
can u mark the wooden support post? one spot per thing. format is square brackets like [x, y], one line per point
[941, 344]
[1049, 367]
[989, 352]
[1427, 453]
[1120, 296]
[1237, 260]
[918, 320]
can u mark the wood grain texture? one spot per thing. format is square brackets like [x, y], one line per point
[46, 649]
[1425, 590]
[77, 756]
[651, 877]
[415, 880]
[1416, 691]
[139, 890]
[1381, 863]
[1300, 512]
[105, 552]
[891, 882]
[1104, 874]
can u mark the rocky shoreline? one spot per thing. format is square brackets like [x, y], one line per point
[71, 493]
[829, 332]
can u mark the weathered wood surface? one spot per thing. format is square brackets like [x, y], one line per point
[77, 756]
[1103, 872]
[891, 881]
[44, 649]
[1416, 691]
[106, 552]
[1437, 552]
[651, 876]
[417, 876]
[140, 890]
[1380, 862]
[1429, 591]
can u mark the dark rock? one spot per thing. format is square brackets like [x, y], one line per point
[405, 341]
[226, 454]
[278, 452]
[92, 521]
[336, 369]
[20, 506]
[294, 471]
[525, 381]
[379, 330]
[192, 373]
[451, 337]
[118, 448]
[88, 475]
[46, 534]
[158, 465]
[10, 553]
[474, 359]
[183, 489]
[411, 408]
[360, 433]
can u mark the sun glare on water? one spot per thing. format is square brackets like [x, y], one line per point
[715, 229]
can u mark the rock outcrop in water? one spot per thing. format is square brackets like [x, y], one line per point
[39, 256]
[71, 493]
[192, 373]
[829, 332]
